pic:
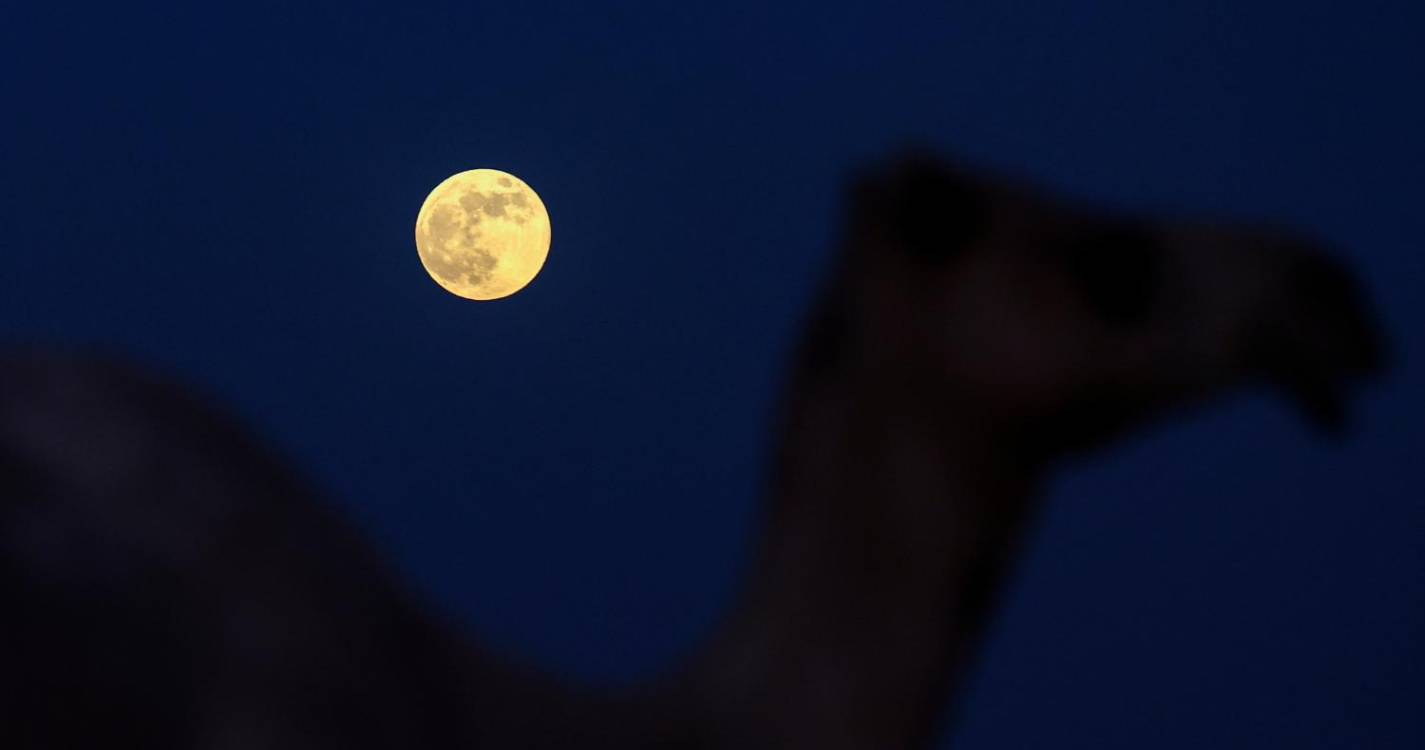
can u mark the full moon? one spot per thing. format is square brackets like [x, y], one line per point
[482, 234]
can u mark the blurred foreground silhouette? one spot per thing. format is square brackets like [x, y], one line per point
[170, 583]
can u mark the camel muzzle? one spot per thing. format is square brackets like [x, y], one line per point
[1321, 341]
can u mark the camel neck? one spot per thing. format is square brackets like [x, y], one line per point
[887, 537]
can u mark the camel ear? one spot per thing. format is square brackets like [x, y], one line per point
[920, 205]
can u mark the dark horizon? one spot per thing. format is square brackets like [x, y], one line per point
[573, 473]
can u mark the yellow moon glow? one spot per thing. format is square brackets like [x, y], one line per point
[482, 234]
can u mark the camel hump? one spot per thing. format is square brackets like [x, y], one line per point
[118, 442]
[165, 573]
[99, 456]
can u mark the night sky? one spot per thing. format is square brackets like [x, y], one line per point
[574, 472]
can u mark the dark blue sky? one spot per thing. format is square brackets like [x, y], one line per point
[572, 472]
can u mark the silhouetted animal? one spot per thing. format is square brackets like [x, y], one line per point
[169, 582]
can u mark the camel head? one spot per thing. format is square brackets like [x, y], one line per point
[1055, 326]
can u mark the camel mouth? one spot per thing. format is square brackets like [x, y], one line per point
[1324, 346]
[1323, 403]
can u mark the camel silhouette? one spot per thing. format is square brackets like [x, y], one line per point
[170, 582]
